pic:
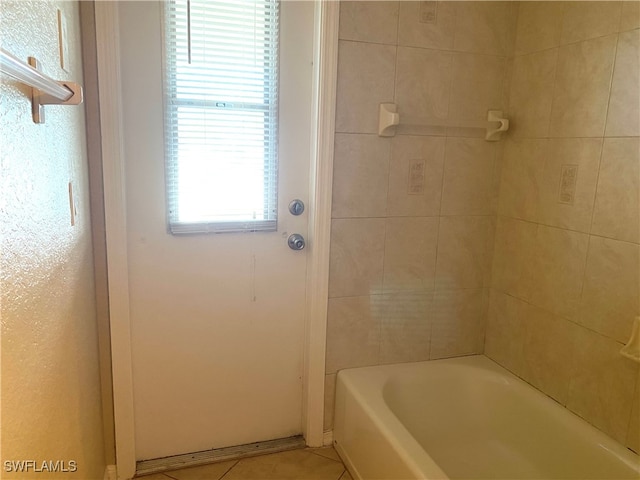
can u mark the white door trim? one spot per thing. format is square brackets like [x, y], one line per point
[108, 61]
[110, 98]
[320, 189]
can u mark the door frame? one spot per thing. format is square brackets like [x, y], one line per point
[317, 281]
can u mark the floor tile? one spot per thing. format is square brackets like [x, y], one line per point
[214, 471]
[346, 476]
[294, 464]
[327, 452]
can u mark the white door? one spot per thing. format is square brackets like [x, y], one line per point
[216, 319]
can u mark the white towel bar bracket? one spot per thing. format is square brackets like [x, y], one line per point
[39, 99]
[44, 90]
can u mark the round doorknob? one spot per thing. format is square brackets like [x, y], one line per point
[296, 241]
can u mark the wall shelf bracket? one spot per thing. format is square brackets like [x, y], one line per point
[497, 125]
[388, 119]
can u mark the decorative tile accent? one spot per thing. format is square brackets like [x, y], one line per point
[568, 183]
[416, 31]
[405, 152]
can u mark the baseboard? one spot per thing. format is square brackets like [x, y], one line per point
[110, 473]
[327, 438]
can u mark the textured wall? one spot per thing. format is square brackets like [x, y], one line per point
[410, 271]
[565, 280]
[50, 377]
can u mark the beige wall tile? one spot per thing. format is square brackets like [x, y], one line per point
[329, 400]
[504, 339]
[477, 86]
[469, 185]
[410, 254]
[360, 175]
[539, 26]
[357, 248]
[418, 29]
[408, 152]
[365, 79]
[531, 95]
[459, 318]
[568, 184]
[405, 328]
[633, 434]
[513, 257]
[522, 171]
[367, 21]
[559, 262]
[465, 252]
[549, 348]
[630, 17]
[581, 92]
[611, 290]
[602, 387]
[623, 118]
[484, 27]
[353, 332]
[585, 20]
[423, 83]
[617, 208]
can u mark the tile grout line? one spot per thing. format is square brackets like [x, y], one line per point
[230, 468]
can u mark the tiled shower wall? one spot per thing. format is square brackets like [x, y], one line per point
[565, 278]
[414, 215]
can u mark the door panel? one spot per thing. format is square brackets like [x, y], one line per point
[216, 320]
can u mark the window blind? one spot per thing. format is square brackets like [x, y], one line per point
[221, 115]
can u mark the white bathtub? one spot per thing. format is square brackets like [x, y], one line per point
[465, 418]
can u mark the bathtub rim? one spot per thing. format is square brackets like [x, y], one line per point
[410, 449]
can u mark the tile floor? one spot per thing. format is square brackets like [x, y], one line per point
[303, 464]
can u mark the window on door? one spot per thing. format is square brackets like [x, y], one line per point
[221, 115]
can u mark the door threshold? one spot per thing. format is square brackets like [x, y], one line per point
[158, 465]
